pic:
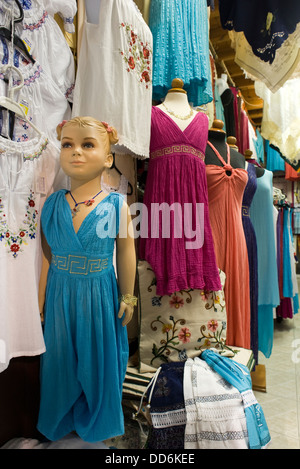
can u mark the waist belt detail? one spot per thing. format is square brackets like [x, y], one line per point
[80, 265]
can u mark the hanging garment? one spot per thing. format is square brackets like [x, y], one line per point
[259, 146]
[66, 9]
[290, 173]
[121, 189]
[28, 171]
[226, 187]
[244, 132]
[252, 140]
[84, 366]
[42, 101]
[215, 417]
[288, 285]
[281, 117]
[266, 25]
[261, 214]
[286, 64]
[239, 376]
[274, 162]
[176, 178]
[252, 255]
[181, 48]
[46, 43]
[114, 75]
[219, 107]
[167, 408]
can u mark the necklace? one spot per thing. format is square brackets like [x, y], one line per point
[177, 115]
[88, 203]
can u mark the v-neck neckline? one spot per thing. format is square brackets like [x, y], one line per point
[176, 125]
[69, 210]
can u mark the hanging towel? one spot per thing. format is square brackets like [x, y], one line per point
[239, 376]
[215, 417]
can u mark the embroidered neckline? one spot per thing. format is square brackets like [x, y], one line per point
[17, 147]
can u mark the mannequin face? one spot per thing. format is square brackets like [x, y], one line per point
[83, 154]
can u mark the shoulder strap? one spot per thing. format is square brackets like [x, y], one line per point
[218, 154]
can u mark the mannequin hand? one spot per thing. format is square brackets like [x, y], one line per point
[127, 310]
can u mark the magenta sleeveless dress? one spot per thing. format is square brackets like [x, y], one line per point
[177, 240]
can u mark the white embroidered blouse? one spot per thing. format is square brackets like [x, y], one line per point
[114, 76]
[29, 171]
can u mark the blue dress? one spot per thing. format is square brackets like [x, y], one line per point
[181, 48]
[83, 368]
[262, 217]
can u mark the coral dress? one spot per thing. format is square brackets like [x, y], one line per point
[226, 187]
[84, 366]
[176, 175]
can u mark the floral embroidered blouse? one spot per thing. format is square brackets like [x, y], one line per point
[28, 173]
[114, 75]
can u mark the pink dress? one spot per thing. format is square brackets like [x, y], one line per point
[177, 175]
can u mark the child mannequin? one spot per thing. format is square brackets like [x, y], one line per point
[86, 355]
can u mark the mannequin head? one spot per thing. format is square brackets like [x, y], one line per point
[85, 147]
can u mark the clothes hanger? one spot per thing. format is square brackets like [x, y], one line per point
[12, 106]
[113, 166]
[7, 34]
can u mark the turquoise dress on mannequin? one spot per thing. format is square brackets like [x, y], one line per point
[261, 214]
[83, 368]
[181, 48]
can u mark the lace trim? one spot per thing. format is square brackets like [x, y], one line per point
[168, 419]
[30, 149]
[214, 436]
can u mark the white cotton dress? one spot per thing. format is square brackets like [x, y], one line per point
[43, 102]
[114, 77]
[29, 171]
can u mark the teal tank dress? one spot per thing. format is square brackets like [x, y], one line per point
[83, 368]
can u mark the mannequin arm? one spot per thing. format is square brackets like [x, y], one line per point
[46, 259]
[126, 262]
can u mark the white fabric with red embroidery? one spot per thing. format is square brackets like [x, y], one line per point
[29, 171]
[114, 76]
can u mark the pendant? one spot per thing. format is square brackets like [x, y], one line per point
[75, 210]
[89, 202]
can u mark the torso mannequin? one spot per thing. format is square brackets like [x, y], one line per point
[92, 8]
[176, 105]
[216, 136]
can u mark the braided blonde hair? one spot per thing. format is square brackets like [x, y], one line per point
[107, 132]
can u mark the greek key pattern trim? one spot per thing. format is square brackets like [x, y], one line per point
[79, 265]
[166, 151]
[245, 211]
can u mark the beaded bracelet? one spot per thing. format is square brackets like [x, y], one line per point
[129, 299]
